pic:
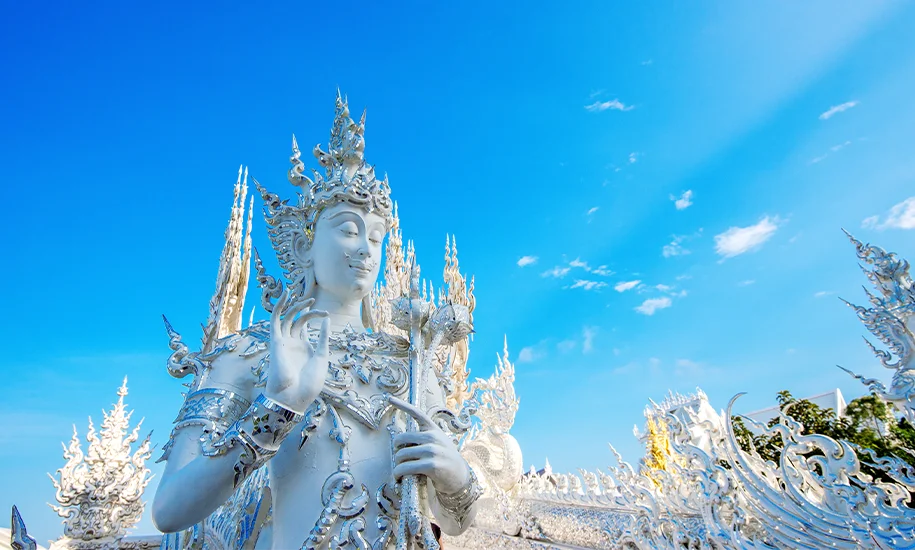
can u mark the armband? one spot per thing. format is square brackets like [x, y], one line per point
[214, 409]
[260, 431]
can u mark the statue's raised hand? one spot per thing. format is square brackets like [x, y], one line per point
[297, 368]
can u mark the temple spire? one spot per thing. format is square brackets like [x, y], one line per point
[228, 301]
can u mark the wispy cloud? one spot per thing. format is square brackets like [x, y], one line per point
[613, 104]
[647, 62]
[595, 93]
[561, 271]
[566, 345]
[527, 260]
[675, 248]
[820, 158]
[823, 293]
[836, 109]
[834, 149]
[739, 240]
[627, 285]
[528, 355]
[840, 146]
[651, 367]
[587, 335]
[588, 285]
[651, 305]
[602, 271]
[633, 158]
[592, 210]
[747, 282]
[687, 367]
[684, 201]
[900, 216]
[557, 272]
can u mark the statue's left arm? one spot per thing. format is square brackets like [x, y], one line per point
[454, 489]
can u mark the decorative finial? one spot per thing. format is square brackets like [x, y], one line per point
[19, 536]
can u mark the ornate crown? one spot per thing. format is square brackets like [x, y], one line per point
[347, 178]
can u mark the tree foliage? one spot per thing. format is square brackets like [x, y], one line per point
[868, 422]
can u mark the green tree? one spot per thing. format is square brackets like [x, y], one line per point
[868, 422]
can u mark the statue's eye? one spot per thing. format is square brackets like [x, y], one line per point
[375, 238]
[349, 229]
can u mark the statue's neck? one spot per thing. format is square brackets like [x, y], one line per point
[341, 312]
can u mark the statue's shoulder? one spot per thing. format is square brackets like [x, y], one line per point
[239, 359]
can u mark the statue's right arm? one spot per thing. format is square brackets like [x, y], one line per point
[228, 428]
[197, 478]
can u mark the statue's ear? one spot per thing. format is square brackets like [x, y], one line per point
[301, 247]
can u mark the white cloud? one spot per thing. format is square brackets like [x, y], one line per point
[651, 305]
[747, 282]
[595, 93]
[684, 201]
[739, 240]
[602, 271]
[592, 210]
[687, 367]
[588, 285]
[527, 260]
[870, 222]
[822, 293]
[684, 277]
[613, 104]
[837, 109]
[557, 272]
[627, 285]
[675, 248]
[664, 288]
[588, 334]
[578, 263]
[820, 158]
[527, 355]
[566, 346]
[633, 158]
[834, 149]
[900, 216]
[647, 62]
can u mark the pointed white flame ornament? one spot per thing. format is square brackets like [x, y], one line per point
[99, 493]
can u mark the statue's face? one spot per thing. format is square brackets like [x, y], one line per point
[346, 252]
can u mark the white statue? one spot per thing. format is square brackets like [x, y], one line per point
[313, 395]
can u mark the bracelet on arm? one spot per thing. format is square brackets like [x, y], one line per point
[213, 409]
[259, 431]
[458, 504]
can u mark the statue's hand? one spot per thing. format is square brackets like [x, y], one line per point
[297, 369]
[429, 452]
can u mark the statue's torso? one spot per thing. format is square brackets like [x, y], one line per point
[339, 482]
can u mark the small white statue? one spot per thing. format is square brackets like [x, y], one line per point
[314, 393]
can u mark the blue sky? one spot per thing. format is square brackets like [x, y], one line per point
[561, 135]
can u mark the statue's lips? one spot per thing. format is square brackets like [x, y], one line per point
[361, 268]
